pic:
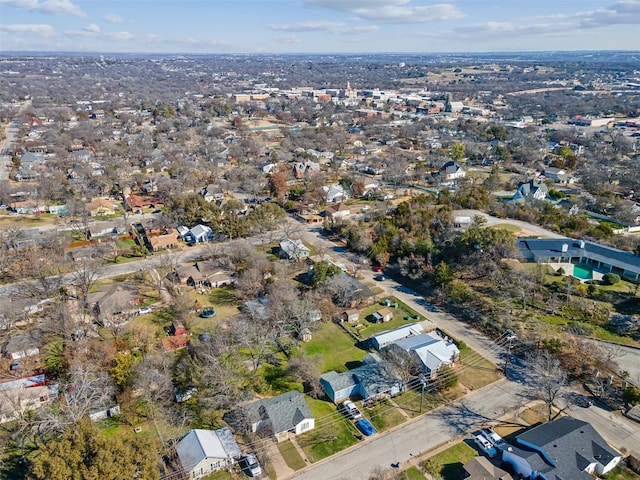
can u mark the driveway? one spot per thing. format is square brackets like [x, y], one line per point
[528, 227]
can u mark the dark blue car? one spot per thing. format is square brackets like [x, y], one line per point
[365, 427]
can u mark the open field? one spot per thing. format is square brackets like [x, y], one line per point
[334, 349]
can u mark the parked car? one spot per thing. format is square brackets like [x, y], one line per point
[583, 401]
[350, 410]
[377, 268]
[485, 446]
[493, 437]
[379, 278]
[251, 466]
[365, 427]
[144, 310]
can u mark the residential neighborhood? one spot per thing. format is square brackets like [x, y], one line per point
[227, 268]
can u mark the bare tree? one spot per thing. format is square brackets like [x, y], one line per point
[548, 380]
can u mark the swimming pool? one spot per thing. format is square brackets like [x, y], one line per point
[583, 272]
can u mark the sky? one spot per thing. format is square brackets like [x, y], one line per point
[317, 26]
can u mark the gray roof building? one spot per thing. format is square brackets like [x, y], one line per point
[566, 448]
[281, 415]
[551, 250]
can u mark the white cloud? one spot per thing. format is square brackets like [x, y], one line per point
[329, 27]
[92, 28]
[391, 11]
[53, 7]
[288, 39]
[40, 30]
[114, 18]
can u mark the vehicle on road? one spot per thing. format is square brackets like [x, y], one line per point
[250, 465]
[377, 268]
[365, 427]
[493, 437]
[350, 410]
[583, 401]
[379, 278]
[485, 446]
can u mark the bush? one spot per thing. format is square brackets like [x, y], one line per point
[560, 271]
[631, 395]
[610, 279]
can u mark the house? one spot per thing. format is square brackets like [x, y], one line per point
[202, 452]
[281, 416]
[203, 274]
[199, 234]
[374, 379]
[451, 171]
[563, 448]
[170, 239]
[305, 335]
[335, 193]
[432, 351]
[381, 340]
[351, 316]
[558, 175]
[481, 468]
[589, 254]
[293, 250]
[136, 202]
[15, 401]
[305, 169]
[383, 315]
[21, 345]
[114, 303]
[212, 193]
[341, 210]
[529, 191]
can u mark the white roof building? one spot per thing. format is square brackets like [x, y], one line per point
[202, 452]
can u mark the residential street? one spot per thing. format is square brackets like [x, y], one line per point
[418, 436]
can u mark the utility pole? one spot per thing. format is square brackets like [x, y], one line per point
[511, 336]
[422, 383]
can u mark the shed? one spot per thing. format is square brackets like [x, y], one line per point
[383, 315]
[351, 316]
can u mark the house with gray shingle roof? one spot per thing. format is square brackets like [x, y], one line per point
[374, 379]
[564, 448]
[529, 191]
[281, 416]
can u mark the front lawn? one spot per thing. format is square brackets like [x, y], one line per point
[336, 348]
[291, 455]
[476, 371]
[332, 434]
[384, 415]
[412, 473]
[448, 464]
[409, 401]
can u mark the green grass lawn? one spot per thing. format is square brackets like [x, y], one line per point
[383, 415]
[335, 348]
[507, 226]
[621, 473]
[332, 434]
[412, 473]
[449, 462]
[476, 372]
[409, 401]
[291, 455]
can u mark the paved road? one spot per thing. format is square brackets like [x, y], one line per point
[11, 132]
[418, 436]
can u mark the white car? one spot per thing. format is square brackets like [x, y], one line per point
[351, 410]
[485, 446]
[251, 466]
[144, 310]
[493, 437]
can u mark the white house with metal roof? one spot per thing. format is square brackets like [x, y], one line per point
[432, 351]
[388, 337]
[202, 452]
